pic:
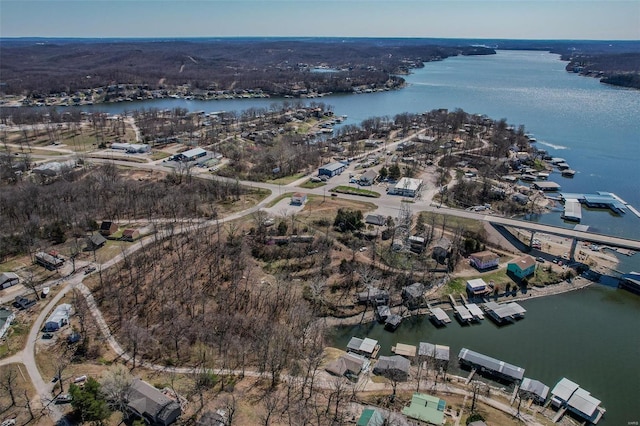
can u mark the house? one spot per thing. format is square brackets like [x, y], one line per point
[375, 219]
[407, 187]
[59, 318]
[520, 198]
[6, 317]
[366, 347]
[483, 260]
[371, 417]
[373, 296]
[477, 287]
[130, 235]
[533, 389]
[95, 241]
[153, 406]
[426, 408]
[107, 228]
[394, 367]
[349, 365]
[437, 354]
[298, 199]
[331, 169]
[48, 261]
[368, 178]
[569, 395]
[412, 295]
[441, 250]
[8, 279]
[522, 267]
[490, 366]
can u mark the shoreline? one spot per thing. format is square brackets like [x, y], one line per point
[368, 316]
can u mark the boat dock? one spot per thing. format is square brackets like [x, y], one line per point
[463, 314]
[504, 313]
[475, 311]
[439, 316]
[572, 210]
[601, 200]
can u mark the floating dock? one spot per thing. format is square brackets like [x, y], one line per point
[439, 316]
[475, 311]
[504, 313]
[602, 200]
[572, 210]
[463, 314]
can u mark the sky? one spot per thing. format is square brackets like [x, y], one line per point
[511, 19]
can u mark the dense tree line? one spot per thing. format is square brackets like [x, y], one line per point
[71, 205]
[275, 67]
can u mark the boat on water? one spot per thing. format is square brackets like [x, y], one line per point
[568, 173]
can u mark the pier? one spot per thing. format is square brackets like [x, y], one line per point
[475, 311]
[439, 316]
[504, 313]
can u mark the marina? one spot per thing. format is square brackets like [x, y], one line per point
[572, 210]
[503, 314]
[600, 200]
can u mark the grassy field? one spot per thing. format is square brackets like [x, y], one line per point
[311, 185]
[342, 189]
[287, 179]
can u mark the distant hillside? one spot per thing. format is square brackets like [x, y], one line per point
[39, 67]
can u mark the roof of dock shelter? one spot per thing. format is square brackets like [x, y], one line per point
[440, 314]
[582, 401]
[463, 312]
[564, 389]
[504, 311]
[535, 387]
[405, 350]
[475, 310]
[492, 364]
[440, 352]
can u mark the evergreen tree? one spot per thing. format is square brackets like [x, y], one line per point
[89, 403]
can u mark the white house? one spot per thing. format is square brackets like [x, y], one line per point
[476, 286]
[407, 187]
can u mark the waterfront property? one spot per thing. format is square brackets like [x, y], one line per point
[373, 296]
[439, 317]
[484, 260]
[599, 200]
[522, 267]
[366, 347]
[534, 389]
[504, 313]
[331, 169]
[348, 365]
[392, 322]
[546, 186]
[476, 287]
[394, 367]
[567, 395]
[438, 354]
[426, 408]
[490, 366]
[407, 187]
[405, 350]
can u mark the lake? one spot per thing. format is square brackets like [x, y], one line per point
[591, 336]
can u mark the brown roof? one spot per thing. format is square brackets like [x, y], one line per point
[485, 255]
[524, 262]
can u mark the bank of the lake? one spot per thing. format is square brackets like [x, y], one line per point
[573, 335]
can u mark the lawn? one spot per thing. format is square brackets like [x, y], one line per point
[343, 189]
[311, 185]
[287, 179]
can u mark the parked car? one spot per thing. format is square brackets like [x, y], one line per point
[47, 336]
[89, 270]
[540, 259]
[63, 398]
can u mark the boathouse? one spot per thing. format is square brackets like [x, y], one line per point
[366, 347]
[463, 314]
[572, 210]
[567, 395]
[533, 389]
[504, 313]
[438, 354]
[490, 366]
[439, 316]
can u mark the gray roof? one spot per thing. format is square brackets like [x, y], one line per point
[333, 166]
[582, 401]
[149, 401]
[97, 239]
[535, 387]
[440, 314]
[375, 219]
[8, 276]
[564, 389]
[439, 352]
[396, 362]
[413, 291]
[348, 363]
[505, 311]
[491, 364]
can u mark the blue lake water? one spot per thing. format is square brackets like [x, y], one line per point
[591, 336]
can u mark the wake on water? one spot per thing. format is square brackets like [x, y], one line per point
[552, 145]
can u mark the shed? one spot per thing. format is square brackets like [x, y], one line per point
[522, 267]
[8, 279]
[483, 260]
[152, 405]
[130, 235]
[107, 228]
[298, 199]
[426, 408]
[95, 241]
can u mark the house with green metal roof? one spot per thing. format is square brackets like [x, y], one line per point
[426, 408]
[370, 417]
